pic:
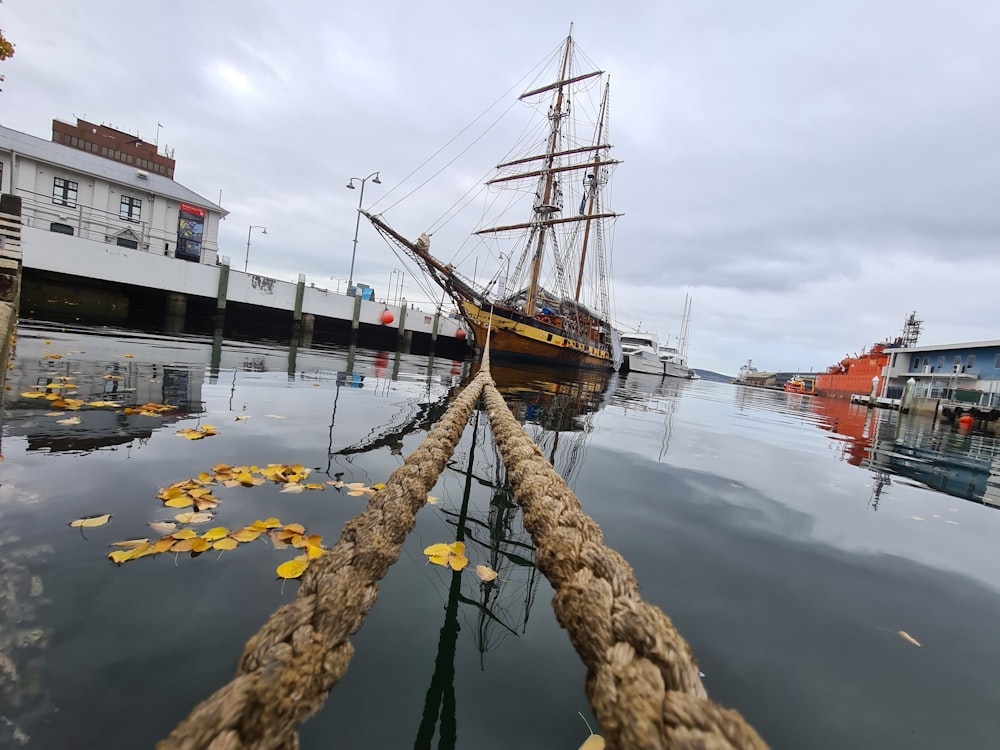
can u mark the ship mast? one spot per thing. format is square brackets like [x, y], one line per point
[591, 179]
[547, 179]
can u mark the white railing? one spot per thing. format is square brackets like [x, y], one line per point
[39, 211]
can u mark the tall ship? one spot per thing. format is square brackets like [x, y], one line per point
[552, 305]
[855, 375]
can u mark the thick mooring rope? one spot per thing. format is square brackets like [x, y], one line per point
[642, 680]
[293, 661]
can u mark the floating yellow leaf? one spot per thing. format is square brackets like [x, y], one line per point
[356, 485]
[215, 533]
[48, 342]
[274, 416]
[378, 486]
[293, 488]
[90, 521]
[292, 568]
[431, 500]
[185, 534]
[142, 550]
[196, 434]
[357, 493]
[315, 486]
[70, 420]
[184, 545]
[53, 356]
[192, 517]
[242, 417]
[181, 501]
[129, 543]
[452, 555]
[226, 543]
[163, 544]
[297, 528]
[907, 637]
[273, 523]
[247, 534]
[33, 394]
[200, 544]
[231, 483]
[313, 551]
[101, 403]
[128, 356]
[486, 572]
[206, 502]
[163, 526]
[120, 556]
[593, 742]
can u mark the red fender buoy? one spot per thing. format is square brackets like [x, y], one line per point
[387, 317]
[460, 334]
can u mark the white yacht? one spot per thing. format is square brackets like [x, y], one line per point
[674, 363]
[640, 352]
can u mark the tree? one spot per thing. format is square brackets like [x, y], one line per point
[6, 49]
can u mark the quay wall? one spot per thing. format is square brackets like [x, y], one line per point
[77, 257]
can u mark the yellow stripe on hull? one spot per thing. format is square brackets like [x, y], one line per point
[521, 339]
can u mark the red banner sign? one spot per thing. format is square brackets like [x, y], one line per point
[192, 209]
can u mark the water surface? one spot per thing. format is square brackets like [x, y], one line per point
[790, 539]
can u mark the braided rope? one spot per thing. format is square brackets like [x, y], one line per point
[289, 666]
[642, 680]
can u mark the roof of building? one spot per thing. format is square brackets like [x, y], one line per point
[87, 163]
[948, 347]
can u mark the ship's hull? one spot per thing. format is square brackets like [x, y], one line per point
[853, 376]
[676, 370]
[644, 361]
[522, 339]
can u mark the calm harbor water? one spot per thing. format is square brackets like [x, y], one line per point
[790, 539]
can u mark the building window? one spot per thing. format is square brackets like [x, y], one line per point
[131, 208]
[927, 363]
[996, 362]
[64, 192]
[958, 359]
[940, 364]
[970, 361]
[126, 242]
[60, 228]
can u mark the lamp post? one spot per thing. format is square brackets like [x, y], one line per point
[357, 224]
[246, 262]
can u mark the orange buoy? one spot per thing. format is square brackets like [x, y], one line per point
[965, 420]
[460, 334]
[387, 317]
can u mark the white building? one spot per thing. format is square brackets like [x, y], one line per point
[105, 187]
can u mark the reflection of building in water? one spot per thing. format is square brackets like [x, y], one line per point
[956, 462]
[114, 383]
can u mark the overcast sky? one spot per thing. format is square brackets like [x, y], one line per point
[810, 171]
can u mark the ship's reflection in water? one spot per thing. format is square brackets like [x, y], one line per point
[953, 460]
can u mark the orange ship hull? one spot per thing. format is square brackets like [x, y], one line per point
[853, 374]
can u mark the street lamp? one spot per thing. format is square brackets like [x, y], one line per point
[252, 227]
[357, 224]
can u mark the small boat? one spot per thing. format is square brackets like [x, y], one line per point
[800, 384]
[559, 182]
[640, 353]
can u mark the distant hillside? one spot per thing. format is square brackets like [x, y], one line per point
[716, 376]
